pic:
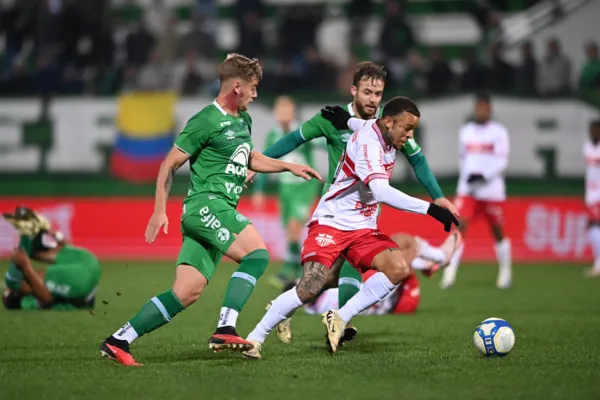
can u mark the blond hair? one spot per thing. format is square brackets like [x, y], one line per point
[239, 66]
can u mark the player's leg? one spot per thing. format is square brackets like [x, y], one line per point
[242, 244]
[377, 251]
[431, 258]
[348, 284]
[466, 206]
[195, 266]
[317, 277]
[594, 239]
[409, 296]
[494, 213]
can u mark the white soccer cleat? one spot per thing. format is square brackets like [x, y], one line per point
[284, 329]
[335, 329]
[450, 245]
[254, 353]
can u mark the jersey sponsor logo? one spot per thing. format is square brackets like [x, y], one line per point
[366, 209]
[240, 156]
[209, 219]
[479, 147]
[324, 240]
[223, 235]
[233, 188]
[225, 123]
[57, 288]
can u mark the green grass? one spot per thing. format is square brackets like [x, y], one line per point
[429, 355]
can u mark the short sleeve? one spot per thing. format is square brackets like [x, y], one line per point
[369, 163]
[411, 148]
[314, 128]
[194, 136]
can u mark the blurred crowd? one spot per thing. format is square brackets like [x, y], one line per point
[82, 47]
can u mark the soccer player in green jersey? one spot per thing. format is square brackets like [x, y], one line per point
[216, 142]
[367, 90]
[68, 283]
[296, 196]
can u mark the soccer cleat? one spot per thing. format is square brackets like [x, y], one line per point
[283, 330]
[349, 334]
[592, 273]
[335, 329]
[118, 351]
[452, 242]
[254, 352]
[226, 338]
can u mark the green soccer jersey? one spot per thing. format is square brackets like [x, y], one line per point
[302, 155]
[318, 126]
[219, 146]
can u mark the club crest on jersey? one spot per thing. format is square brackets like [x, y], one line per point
[238, 163]
[324, 240]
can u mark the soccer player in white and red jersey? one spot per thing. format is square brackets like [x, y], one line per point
[344, 226]
[483, 152]
[591, 151]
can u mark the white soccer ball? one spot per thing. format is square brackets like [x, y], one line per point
[494, 337]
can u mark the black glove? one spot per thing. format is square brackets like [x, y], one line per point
[443, 215]
[475, 178]
[337, 116]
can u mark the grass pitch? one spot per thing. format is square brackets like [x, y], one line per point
[429, 355]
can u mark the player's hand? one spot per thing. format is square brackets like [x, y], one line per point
[303, 171]
[337, 116]
[258, 200]
[475, 178]
[444, 202]
[19, 257]
[157, 221]
[443, 215]
[250, 177]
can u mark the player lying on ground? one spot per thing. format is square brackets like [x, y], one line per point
[296, 196]
[428, 260]
[70, 280]
[332, 124]
[481, 191]
[217, 143]
[592, 194]
[344, 225]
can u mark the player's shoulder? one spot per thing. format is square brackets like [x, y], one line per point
[208, 114]
[497, 127]
[368, 133]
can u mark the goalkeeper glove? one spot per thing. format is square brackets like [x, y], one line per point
[443, 215]
[337, 116]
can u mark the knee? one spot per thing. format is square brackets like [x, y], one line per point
[397, 270]
[308, 291]
[187, 294]
[188, 285]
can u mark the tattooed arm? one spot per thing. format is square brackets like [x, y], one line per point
[174, 160]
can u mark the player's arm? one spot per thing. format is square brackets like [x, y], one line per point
[341, 119]
[370, 170]
[501, 151]
[174, 160]
[35, 281]
[260, 163]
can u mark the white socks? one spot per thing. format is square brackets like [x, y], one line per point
[594, 239]
[126, 332]
[432, 253]
[503, 253]
[420, 264]
[227, 317]
[373, 290]
[281, 307]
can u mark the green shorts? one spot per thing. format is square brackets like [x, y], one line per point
[208, 233]
[296, 201]
[75, 276]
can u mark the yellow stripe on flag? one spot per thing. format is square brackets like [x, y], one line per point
[146, 114]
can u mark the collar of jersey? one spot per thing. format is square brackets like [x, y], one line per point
[219, 107]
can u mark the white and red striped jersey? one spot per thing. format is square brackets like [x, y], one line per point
[349, 204]
[591, 153]
[483, 149]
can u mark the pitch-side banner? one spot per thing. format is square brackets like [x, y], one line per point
[541, 229]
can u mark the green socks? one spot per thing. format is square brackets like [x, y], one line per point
[154, 314]
[292, 269]
[349, 284]
[241, 285]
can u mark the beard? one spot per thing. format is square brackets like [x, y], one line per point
[363, 113]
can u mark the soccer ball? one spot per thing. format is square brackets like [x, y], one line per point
[494, 337]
